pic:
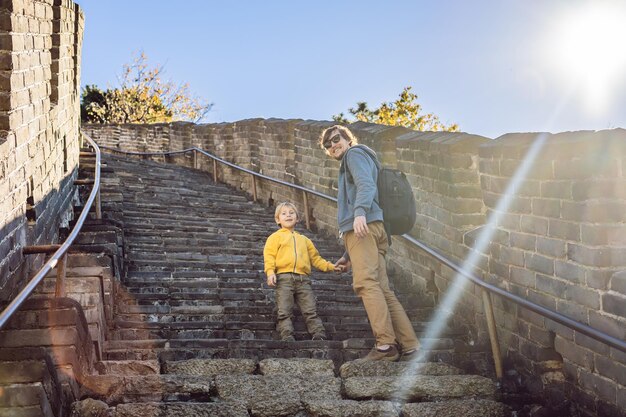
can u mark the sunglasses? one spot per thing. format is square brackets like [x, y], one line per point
[331, 141]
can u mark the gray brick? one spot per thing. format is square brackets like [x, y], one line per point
[600, 257]
[556, 189]
[573, 310]
[531, 317]
[539, 263]
[489, 166]
[598, 278]
[614, 303]
[511, 256]
[583, 296]
[574, 353]
[523, 277]
[599, 188]
[509, 221]
[593, 235]
[543, 207]
[608, 324]
[499, 269]
[543, 299]
[618, 282]
[611, 369]
[551, 247]
[569, 271]
[553, 286]
[603, 387]
[534, 225]
[523, 241]
[593, 211]
[597, 347]
[564, 230]
[566, 170]
[544, 337]
[520, 205]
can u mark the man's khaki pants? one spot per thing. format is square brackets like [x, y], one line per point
[387, 317]
[288, 287]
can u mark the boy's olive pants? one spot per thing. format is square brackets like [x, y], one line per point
[387, 317]
[295, 286]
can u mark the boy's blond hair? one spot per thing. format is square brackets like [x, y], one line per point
[280, 207]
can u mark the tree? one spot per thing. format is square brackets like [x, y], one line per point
[142, 97]
[405, 111]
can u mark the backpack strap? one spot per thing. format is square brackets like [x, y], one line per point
[377, 163]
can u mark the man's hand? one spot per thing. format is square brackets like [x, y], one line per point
[360, 227]
[342, 265]
[271, 280]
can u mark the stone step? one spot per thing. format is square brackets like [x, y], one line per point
[186, 409]
[115, 389]
[128, 368]
[414, 388]
[27, 400]
[193, 274]
[179, 349]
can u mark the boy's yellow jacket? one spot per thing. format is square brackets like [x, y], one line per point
[287, 251]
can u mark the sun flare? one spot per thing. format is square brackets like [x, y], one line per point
[587, 49]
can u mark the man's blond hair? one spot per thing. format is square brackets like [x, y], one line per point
[281, 206]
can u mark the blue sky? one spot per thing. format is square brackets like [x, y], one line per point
[492, 66]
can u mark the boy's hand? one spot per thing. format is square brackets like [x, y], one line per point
[271, 280]
[343, 264]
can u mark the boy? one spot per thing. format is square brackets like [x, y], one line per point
[288, 257]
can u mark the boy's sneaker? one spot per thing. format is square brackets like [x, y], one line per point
[389, 355]
[409, 355]
[288, 339]
[319, 336]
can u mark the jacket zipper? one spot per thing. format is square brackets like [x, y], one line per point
[295, 252]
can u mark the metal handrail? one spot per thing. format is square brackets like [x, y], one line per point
[60, 253]
[536, 308]
[230, 164]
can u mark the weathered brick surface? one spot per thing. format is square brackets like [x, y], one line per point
[558, 242]
[572, 245]
[39, 120]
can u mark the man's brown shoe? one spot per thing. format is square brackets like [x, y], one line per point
[389, 355]
[409, 355]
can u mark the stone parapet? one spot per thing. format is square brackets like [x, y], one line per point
[558, 241]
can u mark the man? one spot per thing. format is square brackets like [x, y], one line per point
[360, 221]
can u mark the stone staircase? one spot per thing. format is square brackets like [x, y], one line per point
[186, 324]
[194, 286]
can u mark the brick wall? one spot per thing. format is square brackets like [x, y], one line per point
[562, 244]
[559, 241]
[40, 44]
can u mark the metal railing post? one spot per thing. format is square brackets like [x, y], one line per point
[307, 220]
[493, 332]
[195, 159]
[214, 171]
[59, 287]
[254, 196]
[98, 206]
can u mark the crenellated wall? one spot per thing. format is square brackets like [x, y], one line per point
[558, 239]
[40, 45]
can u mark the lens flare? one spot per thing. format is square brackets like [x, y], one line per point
[455, 290]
